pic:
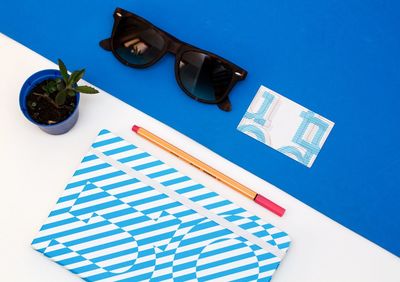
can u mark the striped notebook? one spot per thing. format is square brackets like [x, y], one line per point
[127, 216]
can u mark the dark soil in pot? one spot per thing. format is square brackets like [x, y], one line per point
[43, 109]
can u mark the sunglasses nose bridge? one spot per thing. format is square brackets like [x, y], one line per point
[173, 47]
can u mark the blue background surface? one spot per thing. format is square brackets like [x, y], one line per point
[340, 59]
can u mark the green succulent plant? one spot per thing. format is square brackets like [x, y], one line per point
[59, 88]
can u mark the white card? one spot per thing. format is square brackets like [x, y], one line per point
[285, 126]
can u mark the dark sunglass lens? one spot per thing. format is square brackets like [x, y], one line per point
[137, 43]
[205, 77]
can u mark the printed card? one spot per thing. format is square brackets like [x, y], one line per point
[285, 126]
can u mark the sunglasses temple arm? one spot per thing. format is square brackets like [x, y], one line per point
[241, 74]
[225, 105]
[106, 44]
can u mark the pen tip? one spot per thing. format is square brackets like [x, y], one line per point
[135, 128]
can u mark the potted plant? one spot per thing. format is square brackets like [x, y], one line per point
[50, 98]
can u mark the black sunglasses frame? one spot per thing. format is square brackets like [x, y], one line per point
[178, 48]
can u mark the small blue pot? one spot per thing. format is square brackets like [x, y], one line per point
[30, 83]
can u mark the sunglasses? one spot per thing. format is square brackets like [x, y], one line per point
[202, 75]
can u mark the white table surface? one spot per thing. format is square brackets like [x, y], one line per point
[35, 167]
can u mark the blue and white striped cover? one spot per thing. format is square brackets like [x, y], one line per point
[114, 223]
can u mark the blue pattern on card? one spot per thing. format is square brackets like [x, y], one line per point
[285, 126]
[307, 149]
[260, 116]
